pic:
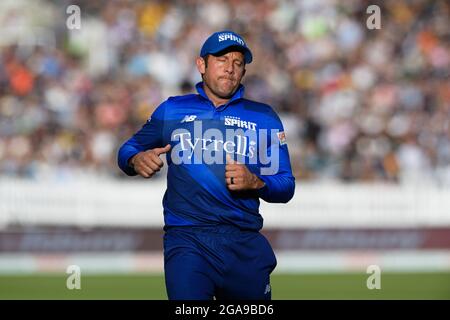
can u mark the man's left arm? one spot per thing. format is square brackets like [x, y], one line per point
[274, 183]
[279, 183]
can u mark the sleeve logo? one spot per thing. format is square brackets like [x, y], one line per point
[282, 137]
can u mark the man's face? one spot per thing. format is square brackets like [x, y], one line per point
[223, 74]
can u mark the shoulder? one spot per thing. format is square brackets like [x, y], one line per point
[174, 103]
[182, 99]
[261, 110]
[187, 101]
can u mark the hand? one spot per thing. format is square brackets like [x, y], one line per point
[147, 163]
[243, 179]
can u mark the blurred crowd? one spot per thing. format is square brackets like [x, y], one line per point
[357, 104]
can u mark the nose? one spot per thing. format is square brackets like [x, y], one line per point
[229, 67]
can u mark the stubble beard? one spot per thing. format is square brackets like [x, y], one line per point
[216, 90]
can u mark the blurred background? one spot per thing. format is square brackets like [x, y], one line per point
[366, 114]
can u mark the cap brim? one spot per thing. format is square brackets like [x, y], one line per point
[228, 48]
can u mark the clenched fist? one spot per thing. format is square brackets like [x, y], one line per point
[239, 178]
[147, 163]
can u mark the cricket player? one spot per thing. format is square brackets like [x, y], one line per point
[224, 153]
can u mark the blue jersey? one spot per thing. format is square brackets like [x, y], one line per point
[201, 135]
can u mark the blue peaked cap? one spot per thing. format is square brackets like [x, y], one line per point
[219, 41]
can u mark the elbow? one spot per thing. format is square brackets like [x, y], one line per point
[280, 192]
[289, 194]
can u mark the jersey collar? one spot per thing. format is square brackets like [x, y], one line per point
[239, 94]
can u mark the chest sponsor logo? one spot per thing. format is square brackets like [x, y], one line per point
[210, 146]
[237, 122]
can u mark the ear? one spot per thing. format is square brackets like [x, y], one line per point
[201, 66]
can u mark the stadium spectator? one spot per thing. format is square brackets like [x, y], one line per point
[365, 105]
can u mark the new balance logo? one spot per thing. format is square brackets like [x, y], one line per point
[188, 118]
[267, 289]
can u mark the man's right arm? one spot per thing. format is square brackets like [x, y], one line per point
[140, 153]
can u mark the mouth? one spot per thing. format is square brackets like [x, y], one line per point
[227, 79]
